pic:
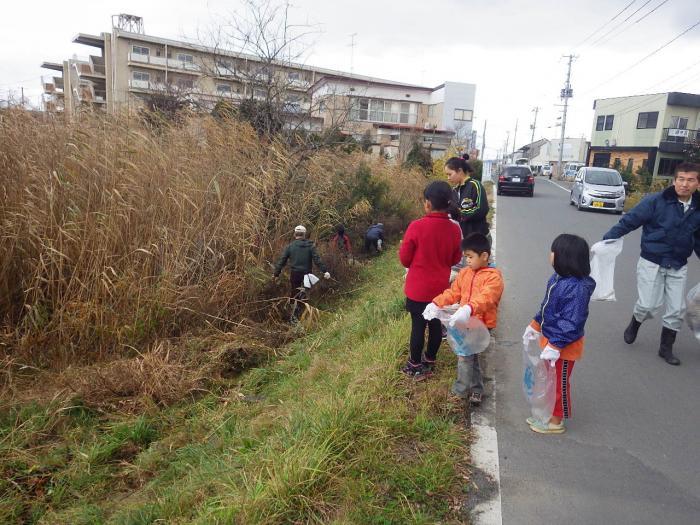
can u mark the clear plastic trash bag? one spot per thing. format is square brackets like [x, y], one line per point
[539, 382]
[692, 313]
[465, 338]
[603, 268]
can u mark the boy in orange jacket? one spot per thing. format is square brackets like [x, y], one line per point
[477, 289]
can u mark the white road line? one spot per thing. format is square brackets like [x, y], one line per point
[567, 190]
[484, 447]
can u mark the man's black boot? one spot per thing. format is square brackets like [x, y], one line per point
[668, 337]
[631, 331]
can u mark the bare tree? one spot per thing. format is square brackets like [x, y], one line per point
[264, 54]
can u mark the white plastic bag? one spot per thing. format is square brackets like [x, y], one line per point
[539, 382]
[309, 280]
[465, 338]
[692, 314]
[603, 268]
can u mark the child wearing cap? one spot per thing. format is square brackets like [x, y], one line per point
[301, 254]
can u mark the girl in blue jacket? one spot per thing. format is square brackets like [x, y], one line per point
[558, 325]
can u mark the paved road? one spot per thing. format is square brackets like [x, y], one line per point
[632, 450]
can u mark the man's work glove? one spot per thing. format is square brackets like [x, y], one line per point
[550, 354]
[430, 312]
[379, 245]
[462, 315]
[530, 335]
[326, 275]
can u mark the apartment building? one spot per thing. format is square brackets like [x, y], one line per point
[649, 131]
[127, 66]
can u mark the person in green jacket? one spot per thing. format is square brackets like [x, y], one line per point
[301, 254]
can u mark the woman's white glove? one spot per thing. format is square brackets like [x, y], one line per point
[530, 335]
[327, 275]
[550, 354]
[462, 315]
[430, 312]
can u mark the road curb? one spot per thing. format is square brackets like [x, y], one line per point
[484, 446]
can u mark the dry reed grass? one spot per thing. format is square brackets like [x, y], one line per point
[115, 236]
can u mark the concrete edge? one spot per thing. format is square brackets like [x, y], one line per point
[484, 447]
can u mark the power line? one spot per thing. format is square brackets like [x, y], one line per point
[645, 15]
[696, 24]
[605, 24]
[625, 20]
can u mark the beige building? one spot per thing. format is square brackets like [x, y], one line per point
[648, 131]
[127, 67]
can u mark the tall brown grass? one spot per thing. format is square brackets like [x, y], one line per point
[115, 235]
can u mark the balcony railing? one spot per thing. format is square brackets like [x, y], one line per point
[162, 62]
[680, 136]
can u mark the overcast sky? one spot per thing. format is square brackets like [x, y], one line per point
[511, 49]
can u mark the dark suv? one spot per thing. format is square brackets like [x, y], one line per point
[516, 179]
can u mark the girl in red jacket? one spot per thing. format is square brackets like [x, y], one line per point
[430, 247]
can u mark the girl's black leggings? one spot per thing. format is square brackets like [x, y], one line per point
[418, 337]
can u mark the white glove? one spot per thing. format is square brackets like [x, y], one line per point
[326, 275]
[379, 245]
[430, 312]
[461, 315]
[530, 334]
[550, 354]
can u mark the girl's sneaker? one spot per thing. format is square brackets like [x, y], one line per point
[424, 373]
[428, 363]
[546, 428]
[411, 369]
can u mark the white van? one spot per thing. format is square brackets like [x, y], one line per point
[571, 168]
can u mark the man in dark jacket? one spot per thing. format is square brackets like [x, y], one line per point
[671, 232]
[374, 238]
[301, 254]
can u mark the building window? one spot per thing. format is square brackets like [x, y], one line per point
[293, 76]
[140, 50]
[679, 123]
[609, 122]
[259, 93]
[600, 123]
[463, 115]
[668, 166]
[431, 111]
[321, 107]
[630, 164]
[182, 57]
[185, 83]
[604, 122]
[647, 120]
[376, 110]
[141, 75]
[224, 90]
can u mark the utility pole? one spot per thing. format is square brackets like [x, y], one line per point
[536, 110]
[21, 100]
[483, 142]
[515, 137]
[352, 52]
[566, 94]
[505, 151]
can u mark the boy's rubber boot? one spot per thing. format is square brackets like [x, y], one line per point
[631, 331]
[668, 337]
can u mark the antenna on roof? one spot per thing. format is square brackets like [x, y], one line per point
[352, 53]
[128, 23]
